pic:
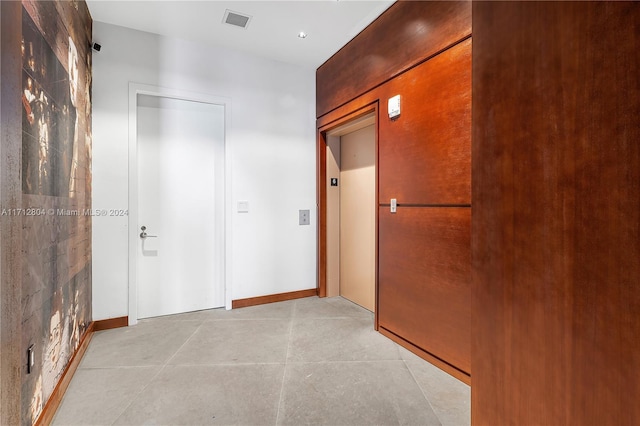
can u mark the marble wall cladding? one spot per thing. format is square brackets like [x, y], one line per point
[56, 187]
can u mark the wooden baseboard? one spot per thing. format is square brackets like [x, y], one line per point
[50, 408]
[110, 323]
[281, 297]
[442, 365]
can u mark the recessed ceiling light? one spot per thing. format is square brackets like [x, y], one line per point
[302, 34]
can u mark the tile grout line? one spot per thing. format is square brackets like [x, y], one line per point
[435, 413]
[184, 344]
[162, 368]
[295, 313]
[132, 400]
[286, 360]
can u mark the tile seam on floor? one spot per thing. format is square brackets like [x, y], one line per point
[151, 321]
[160, 370]
[227, 364]
[286, 360]
[341, 317]
[349, 361]
[184, 343]
[435, 413]
[137, 395]
[244, 319]
[282, 413]
[150, 364]
[123, 367]
[110, 367]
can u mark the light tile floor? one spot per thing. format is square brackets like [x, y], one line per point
[302, 362]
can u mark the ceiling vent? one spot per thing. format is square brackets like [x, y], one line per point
[236, 19]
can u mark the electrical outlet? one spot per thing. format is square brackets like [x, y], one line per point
[31, 358]
[303, 216]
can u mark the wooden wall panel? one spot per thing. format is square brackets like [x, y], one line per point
[556, 219]
[406, 34]
[424, 281]
[422, 51]
[426, 157]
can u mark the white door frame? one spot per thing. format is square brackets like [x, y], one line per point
[136, 89]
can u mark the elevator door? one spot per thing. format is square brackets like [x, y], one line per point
[358, 217]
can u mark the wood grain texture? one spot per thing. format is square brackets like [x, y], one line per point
[426, 154]
[403, 36]
[108, 324]
[424, 280]
[271, 298]
[556, 220]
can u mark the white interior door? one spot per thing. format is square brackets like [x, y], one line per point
[180, 157]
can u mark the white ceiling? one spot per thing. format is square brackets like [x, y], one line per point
[272, 31]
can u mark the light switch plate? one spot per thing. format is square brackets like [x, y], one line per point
[303, 217]
[394, 205]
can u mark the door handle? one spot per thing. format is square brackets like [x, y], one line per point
[144, 234]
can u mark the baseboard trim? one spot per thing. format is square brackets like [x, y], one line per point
[50, 408]
[108, 324]
[280, 297]
[442, 365]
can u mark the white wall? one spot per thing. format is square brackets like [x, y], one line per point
[272, 143]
